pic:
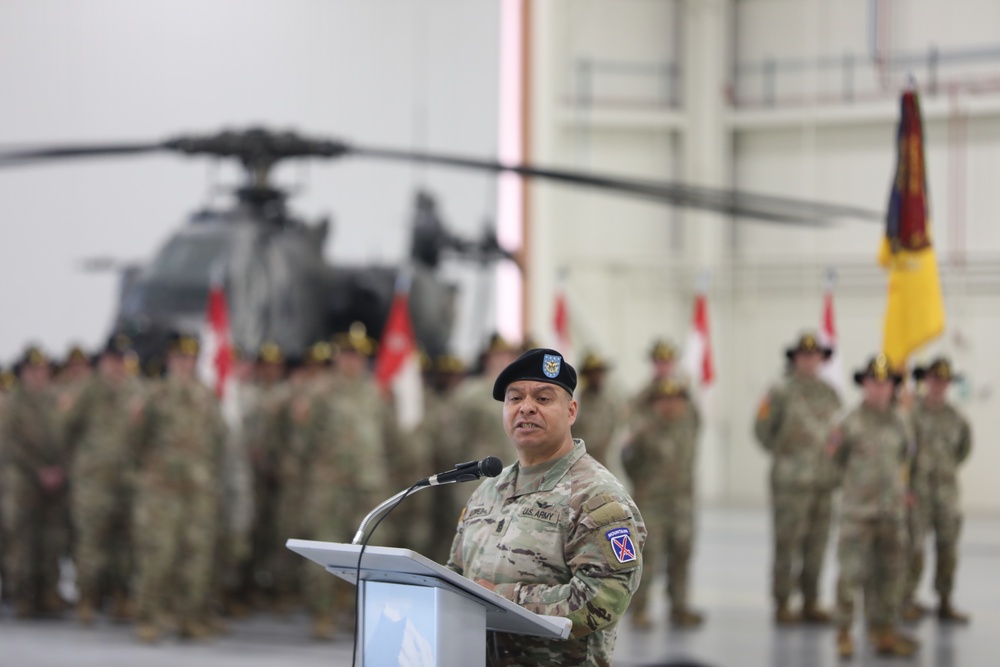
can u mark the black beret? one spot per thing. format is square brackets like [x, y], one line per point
[539, 365]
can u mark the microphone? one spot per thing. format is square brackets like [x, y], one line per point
[491, 466]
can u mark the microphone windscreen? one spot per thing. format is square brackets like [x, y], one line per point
[491, 466]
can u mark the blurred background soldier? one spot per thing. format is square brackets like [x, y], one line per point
[291, 464]
[601, 412]
[442, 506]
[100, 426]
[8, 380]
[238, 406]
[659, 457]
[793, 423]
[944, 440]
[266, 429]
[176, 515]
[477, 426]
[348, 471]
[663, 357]
[34, 490]
[872, 445]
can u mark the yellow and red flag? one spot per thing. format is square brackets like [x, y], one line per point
[914, 311]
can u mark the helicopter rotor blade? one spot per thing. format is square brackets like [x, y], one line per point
[761, 207]
[10, 157]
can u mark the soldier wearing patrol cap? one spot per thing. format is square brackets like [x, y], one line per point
[659, 457]
[355, 458]
[34, 471]
[944, 441]
[793, 422]
[101, 427]
[476, 432]
[175, 517]
[555, 533]
[872, 446]
[601, 411]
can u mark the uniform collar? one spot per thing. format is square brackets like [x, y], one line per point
[507, 481]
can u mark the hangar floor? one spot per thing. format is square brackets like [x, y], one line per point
[730, 585]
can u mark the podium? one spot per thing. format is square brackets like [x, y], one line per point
[414, 611]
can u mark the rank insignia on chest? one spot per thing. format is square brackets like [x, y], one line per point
[621, 544]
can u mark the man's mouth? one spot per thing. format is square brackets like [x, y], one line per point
[526, 426]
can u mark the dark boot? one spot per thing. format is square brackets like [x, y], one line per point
[813, 613]
[949, 614]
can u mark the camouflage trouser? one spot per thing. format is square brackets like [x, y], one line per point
[801, 531]
[670, 522]
[287, 565]
[38, 535]
[872, 557]
[945, 520]
[102, 551]
[332, 514]
[175, 540]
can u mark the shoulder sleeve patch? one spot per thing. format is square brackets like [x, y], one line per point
[620, 552]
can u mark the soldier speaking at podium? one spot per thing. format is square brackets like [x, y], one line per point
[555, 532]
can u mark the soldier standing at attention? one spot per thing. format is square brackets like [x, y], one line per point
[793, 424]
[34, 486]
[176, 513]
[101, 426]
[348, 472]
[663, 357]
[659, 458]
[944, 440]
[555, 533]
[601, 412]
[267, 430]
[872, 445]
[8, 380]
[431, 517]
[479, 432]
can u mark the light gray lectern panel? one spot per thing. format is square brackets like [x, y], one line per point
[417, 612]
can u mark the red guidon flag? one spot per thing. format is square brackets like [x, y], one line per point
[833, 368]
[216, 357]
[697, 361]
[560, 322]
[397, 367]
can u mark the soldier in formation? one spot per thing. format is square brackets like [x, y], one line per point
[873, 445]
[793, 424]
[176, 513]
[601, 412]
[348, 471]
[659, 457]
[944, 441]
[34, 469]
[100, 426]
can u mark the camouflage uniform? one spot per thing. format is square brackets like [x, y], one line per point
[600, 415]
[268, 433]
[659, 458]
[176, 514]
[793, 424]
[100, 427]
[944, 440]
[545, 536]
[346, 477]
[873, 449]
[477, 429]
[36, 515]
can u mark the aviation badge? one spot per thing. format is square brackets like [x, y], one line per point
[621, 544]
[551, 364]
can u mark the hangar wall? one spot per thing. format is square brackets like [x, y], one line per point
[802, 96]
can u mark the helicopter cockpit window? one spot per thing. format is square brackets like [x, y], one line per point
[190, 256]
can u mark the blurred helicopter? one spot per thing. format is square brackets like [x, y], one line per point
[270, 262]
